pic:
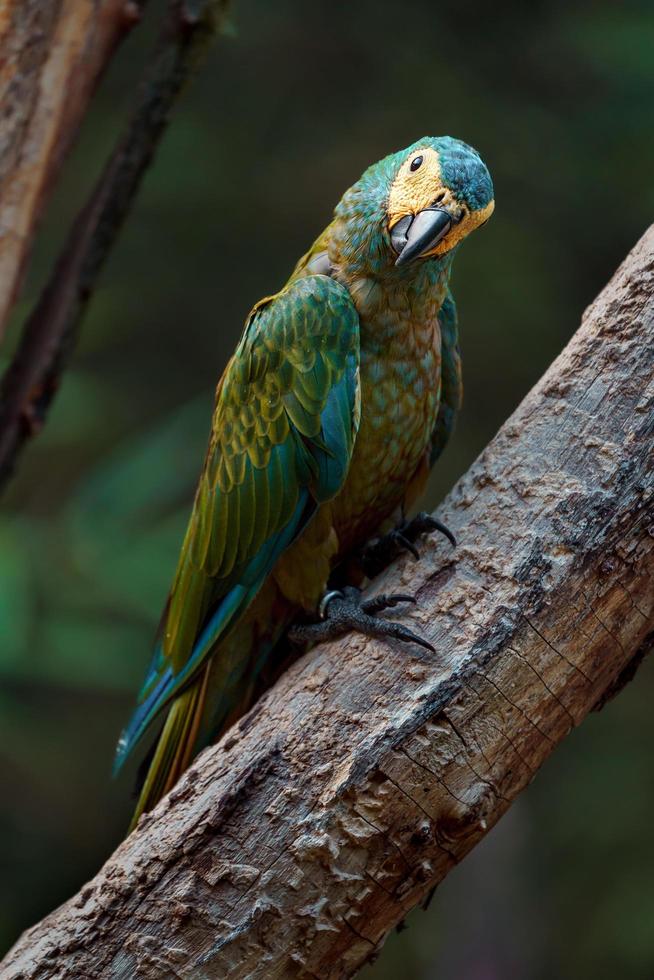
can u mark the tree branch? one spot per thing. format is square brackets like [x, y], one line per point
[53, 56]
[48, 337]
[352, 788]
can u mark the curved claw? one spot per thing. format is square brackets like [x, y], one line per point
[424, 523]
[403, 633]
[380, 602]
[444, 529]
[406, 544]
[380, 552]
[385, 629]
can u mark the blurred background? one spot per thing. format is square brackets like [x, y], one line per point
[292, 106]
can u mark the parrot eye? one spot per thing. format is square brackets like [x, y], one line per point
[415, 163]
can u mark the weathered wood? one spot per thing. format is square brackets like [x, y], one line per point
[370, 770]
[53, 54]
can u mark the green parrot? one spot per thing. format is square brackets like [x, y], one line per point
[340, 395]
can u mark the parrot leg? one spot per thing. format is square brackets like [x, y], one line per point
[380, 552]
[346, 610]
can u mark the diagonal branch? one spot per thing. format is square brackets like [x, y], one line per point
[354, 786]
[49, 335]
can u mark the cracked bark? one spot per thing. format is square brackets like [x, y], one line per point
[292, 847]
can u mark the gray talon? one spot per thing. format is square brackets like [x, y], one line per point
[379, 553]
[348, 610]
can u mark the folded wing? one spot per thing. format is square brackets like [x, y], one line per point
[283, 430]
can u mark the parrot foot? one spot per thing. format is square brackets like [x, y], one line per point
[380, 552]
[346, 610]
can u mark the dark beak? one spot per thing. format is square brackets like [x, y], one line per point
[412, 236]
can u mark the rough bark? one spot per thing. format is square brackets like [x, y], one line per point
[352, 788]
[53, 55]
[50, 332]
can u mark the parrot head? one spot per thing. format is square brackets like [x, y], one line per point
[440, 192]
[416, 204]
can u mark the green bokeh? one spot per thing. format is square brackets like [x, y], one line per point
[292, 106]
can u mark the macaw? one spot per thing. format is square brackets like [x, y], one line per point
[340, 396]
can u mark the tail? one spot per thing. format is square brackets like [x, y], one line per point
[175, 746]
[222, 689]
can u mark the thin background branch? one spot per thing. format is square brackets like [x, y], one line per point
[50, 332]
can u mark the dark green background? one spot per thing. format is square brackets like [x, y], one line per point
[558, 98]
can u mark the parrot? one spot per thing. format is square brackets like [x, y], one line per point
[341, 394]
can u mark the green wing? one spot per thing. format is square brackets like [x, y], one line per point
[286, 417]
[451, 380]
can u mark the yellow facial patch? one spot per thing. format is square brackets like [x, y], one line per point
[415, 190]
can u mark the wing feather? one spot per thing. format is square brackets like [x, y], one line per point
[451, 380]
[283, 431]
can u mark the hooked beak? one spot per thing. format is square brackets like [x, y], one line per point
[413, 235]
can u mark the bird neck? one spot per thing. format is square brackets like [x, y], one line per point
[389, 302]
[360, 261]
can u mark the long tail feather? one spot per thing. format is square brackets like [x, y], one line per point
[175, 745]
